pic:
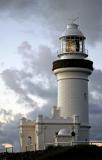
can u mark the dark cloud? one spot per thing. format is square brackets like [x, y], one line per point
[95, 108]
[44, 110]
[14, 81]
[9, 132]
[96, 127]
[95, 99]
[60, 13]
[40, 91]
[40, 61]
[55, 14]
[35, 79]
[26, 50]
[95, 118]
[6, 115]
[19, 8]
[96, 82]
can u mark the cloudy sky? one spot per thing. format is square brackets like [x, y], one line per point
[29, 32]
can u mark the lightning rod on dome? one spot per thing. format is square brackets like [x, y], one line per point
[72, 20]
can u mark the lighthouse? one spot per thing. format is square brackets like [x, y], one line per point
[69, 123]
[72, 69]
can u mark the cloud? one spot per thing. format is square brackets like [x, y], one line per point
[40, 61]
[45, 110]
[96, 82]
[5, 116]
[87, 11]
[95, 94]
[35, 78]
[14, 81]
[20, 8]
[55, 14]
[9, 132]
[95, 101]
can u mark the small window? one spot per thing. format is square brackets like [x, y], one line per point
[85, 95]
[29, 140]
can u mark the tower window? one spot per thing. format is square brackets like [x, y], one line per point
[85, 95]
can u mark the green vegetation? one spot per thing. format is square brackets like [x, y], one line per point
[80, 152]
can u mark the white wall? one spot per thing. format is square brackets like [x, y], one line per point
[73, 92]
[48, 132]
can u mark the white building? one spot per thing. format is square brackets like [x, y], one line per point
[69, 122]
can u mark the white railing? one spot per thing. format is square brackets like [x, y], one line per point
[60, 52]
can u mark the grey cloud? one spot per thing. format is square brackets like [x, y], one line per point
[95, 99]
[39, 61]
[19, 8]
[55, 14]
[96, 127]
[40, 91]
[59, 13]
[95, 118]
[6, 115]
[13, 80]
[45, 110]
[95, 94]
[95, 84]
[25, 49]
[40, 65]
[9, 132]
[35, 78]
[95, 108]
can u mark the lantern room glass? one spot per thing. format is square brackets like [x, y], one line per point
[72, 44]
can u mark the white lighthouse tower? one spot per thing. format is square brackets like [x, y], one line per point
[69, 123]
[72, 69]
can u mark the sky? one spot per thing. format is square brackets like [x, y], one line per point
[29, 40]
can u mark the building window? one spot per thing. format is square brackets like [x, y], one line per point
[29, 140]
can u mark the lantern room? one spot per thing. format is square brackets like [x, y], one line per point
[72, 40]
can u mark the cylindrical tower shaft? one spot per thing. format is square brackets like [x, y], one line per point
[73, 92]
